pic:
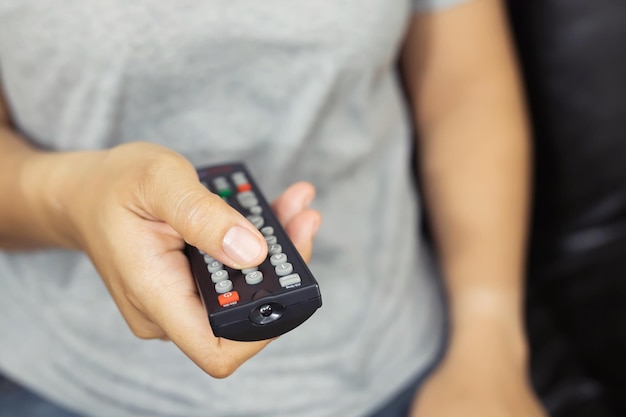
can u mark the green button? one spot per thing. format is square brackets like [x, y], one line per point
[225, 193]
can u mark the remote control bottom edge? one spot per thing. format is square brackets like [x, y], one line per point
[246, 331]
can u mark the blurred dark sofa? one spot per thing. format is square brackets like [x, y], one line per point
[573, 57]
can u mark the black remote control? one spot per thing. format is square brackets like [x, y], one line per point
[257, 303]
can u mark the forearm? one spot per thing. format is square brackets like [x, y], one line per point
[32, 184]
[474, 167]
[474, 160]
[23, 222]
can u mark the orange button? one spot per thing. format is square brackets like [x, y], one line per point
[228, 298]
[244, 187]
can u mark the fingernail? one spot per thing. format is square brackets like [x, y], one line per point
[241, 245]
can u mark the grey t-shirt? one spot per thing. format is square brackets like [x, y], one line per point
[299, 90]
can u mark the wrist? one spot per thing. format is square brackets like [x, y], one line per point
[54, 190]
[488, 324]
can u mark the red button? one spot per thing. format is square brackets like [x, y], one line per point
[228, 298]
[244, 187]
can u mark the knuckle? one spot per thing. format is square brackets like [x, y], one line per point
[198, 217]
[162, 162]
[160, 165]
[145, 332]
[223, 370]
[220, 366]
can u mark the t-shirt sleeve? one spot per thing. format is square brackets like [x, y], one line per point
[431, 5]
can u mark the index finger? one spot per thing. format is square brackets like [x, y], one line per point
[181, 315]
[187, 326]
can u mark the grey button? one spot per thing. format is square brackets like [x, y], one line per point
[221, 183]
[223, 286]
[214, 266]
[256, 209]
[267, 231]
[247, 199]
[254, 277]
[271, 240]
[284, 269]
[274, 249]
[256, 220]
[246, 271]
[239, 178]
[208, 259]
[289, 280]
[220, 275]
[278, 259]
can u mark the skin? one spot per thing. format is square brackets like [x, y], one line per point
[474, 157]
[474, 162]
[130, 209]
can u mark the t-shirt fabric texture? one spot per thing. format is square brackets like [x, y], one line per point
[298, 90]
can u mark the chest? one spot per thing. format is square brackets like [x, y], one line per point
[152, 34]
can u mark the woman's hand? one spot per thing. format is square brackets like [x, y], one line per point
[482, 375]
[132, 208]
[459, 390]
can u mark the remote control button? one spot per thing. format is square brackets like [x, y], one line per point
[220, 275]
[246, 271]
[254, 277]
[275, 249]
[239, 178]
[221, 183]
[208, 259]
[278, 259]
[214, 266]
[289, 280]
[244, 187]
[228, 298]
[271, 240]
[256, 220]
[224, 286]
[284, 269]
[267, 231]
[247, 199]
[256, 210]
[222, 187]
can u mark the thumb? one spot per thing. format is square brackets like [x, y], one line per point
[205, 221]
